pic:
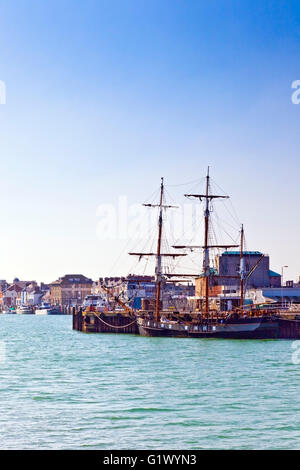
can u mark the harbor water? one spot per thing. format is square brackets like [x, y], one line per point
[61, 389]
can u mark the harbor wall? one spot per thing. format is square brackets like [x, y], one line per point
[110, 322]
[289, 329]
[113, 322]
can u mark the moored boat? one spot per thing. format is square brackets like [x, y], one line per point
[243, 328]
[97, 301]
[47, 309]
[206, 320]
[25, 310]
[11, 311]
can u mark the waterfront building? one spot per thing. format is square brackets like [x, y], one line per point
[130, 289]
[16, 294]
[225, 299]
[70, 290]
[24, 284]
[225, 275]
[228, 264]
[286, 295]
[11, 297]
[3, 285]
[136, 288]
[31, 295]
[138, 291]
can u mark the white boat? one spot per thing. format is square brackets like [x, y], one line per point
[24, 310]
[97, 301]
[47, 309]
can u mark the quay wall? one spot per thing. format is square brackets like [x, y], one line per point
[289, 329]
[104, 323]
[112, 322]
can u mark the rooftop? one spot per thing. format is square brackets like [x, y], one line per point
[273, 274]
[72, 279]
[246, 253]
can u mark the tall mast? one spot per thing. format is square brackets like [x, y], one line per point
[158, 256]
[206, 267]
[242, 268]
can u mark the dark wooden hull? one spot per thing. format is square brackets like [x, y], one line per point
[265, 328]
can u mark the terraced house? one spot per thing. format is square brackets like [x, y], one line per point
[70, 289]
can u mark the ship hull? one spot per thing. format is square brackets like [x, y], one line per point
[24, 312]
[45, 311]
[251, 329]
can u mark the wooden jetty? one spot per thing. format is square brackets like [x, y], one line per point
[289, 328]
[90, 321]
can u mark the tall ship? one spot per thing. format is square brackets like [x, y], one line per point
[239, 323]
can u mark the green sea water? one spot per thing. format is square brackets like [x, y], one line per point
[61, 389]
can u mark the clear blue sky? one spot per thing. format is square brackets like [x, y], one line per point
[106, 96]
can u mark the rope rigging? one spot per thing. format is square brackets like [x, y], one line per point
[113, 326]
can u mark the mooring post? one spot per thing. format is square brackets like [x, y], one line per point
[80, 319]
[75, 322]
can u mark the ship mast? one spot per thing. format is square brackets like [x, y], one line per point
[206, 261]
[158, 257]
[206, 266]
[242, 269]
[158, 269]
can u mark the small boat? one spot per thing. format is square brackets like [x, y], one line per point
[24, 310]
[8, 311]
[97, 301]
[47, 309]
[11, 311]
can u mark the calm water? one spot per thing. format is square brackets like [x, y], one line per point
[62, 389]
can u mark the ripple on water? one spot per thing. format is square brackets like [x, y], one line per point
[62, 389]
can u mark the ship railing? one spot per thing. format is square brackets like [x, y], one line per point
[202, 327]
